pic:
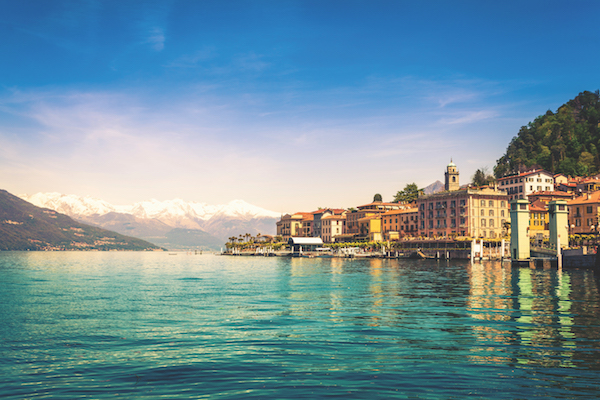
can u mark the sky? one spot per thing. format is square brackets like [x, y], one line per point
[288, 105]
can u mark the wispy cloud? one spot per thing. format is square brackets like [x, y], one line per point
[252, 142]
[156, 39]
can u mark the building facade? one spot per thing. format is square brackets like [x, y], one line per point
[583, 213]
[400, 223]
[466, 212]
[332, 226]
[520, 186]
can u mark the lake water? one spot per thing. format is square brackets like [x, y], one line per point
[154, 325]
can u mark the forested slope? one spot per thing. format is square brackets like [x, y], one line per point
[566, 141]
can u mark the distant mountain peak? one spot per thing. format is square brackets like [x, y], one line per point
[435, 187]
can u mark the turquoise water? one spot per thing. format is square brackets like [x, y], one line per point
[153, 325]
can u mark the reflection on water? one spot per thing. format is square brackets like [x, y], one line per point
[145, 325]
[535, 315]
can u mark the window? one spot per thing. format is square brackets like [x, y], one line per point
[491, 213]
[491, 203]
[589, 209]
[482, 213]
[482, 222]
[482, 203]
[491, 223]
[502, 213]
[503, 204]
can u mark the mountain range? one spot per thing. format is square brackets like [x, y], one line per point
[175, 224]
[24, 226]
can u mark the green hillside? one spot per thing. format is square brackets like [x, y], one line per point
[24, 226]
[567, 141]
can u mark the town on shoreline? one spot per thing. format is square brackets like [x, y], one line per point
[457, 214]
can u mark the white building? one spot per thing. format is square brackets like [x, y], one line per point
[521, 185]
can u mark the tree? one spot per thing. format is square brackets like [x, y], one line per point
[377, 197]
[410, 193]
[482, 177]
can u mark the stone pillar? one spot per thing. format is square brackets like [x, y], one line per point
[559, 223]
[519, 224]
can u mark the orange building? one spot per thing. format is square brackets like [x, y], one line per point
[583, 213]
[399, 223]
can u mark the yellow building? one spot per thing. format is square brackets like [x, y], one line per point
[538, 218]
[369, 228]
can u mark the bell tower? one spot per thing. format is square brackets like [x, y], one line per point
[451, 177]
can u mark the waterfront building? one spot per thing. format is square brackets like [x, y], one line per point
[473, 212]
[295, 225]
[290, 225]
[332, 226]
[519, 186]
[367, 210]
[400, 223]
[583, 213]
[369, 228]
[319, 215]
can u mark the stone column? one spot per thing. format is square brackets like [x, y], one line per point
[558, 223]
[519, 224]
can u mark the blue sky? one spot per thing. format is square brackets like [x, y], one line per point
[289, 105]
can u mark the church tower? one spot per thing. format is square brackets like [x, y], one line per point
[451, 177]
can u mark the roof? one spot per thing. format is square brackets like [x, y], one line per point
[588, 198]
[527, 173]
[334, 216]
[538, 206]
[556, 193]
[396, 212]
[306, 241]
[383, 204]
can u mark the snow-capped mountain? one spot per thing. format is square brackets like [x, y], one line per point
[153, 218]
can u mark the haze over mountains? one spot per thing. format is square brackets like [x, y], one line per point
[23, 226]
[165, 222]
